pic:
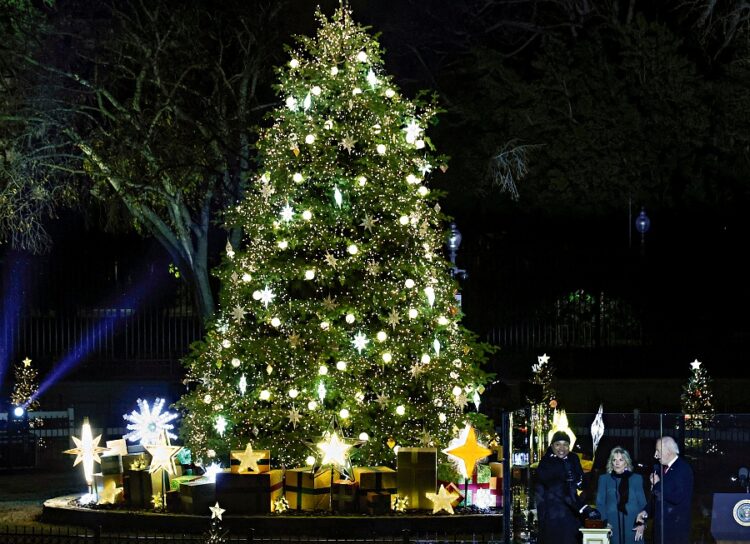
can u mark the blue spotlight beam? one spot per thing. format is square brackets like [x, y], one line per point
[82, 350]
[14, 280]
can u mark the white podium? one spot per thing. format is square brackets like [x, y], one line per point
[596, 536]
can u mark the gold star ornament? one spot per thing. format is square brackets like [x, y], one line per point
[467, 451]
[216, 511]
[248, 459]
[162, 457]
[442, 500]
[26, 362]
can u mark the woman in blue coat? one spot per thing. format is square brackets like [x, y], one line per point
[620, 497]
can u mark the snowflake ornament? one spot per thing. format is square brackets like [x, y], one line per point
[147, 424]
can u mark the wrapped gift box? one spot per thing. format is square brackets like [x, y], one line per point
[264, 463]
[111, 464]
[378, 502]
[344, 496]
[117, 447]
[305, 490]
[479, 480]
[496, 490]
[141, 485]
[451, 487]
[135, 461]
[375, 479]
[174, 504]
[496, 469]
[197, 495]
[109, 488]
[249, 492]
[417, 476]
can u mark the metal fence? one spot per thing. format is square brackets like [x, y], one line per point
[542, 333]
[34, 535]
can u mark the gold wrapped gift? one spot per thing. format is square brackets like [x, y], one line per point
[375, 479]
[307, 490]
[141, 485]
[249, 492]
[417, 476]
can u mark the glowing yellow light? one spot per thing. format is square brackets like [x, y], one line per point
[87, 451]
[409, 283]
[334, 450]
[275, 322]
[283, 244]
[467, 450]
[560, 423]
[400, 409]
[380, 149]
[265, 394]
[352, 249]
[425, 359]
[344, 413]
[310, 274]
[413, 313]
[293, 393]
[381, 336]
[387, 357]
[248, 459]
[310, 460]
[364, 437]
[323, 370]
[362, 180]
[307, 215]
[341, 365]
[297, 177]
[442, 500]
[269, 369]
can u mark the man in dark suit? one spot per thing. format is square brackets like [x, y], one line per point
[672, 493]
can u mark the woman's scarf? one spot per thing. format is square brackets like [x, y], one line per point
[623, 487]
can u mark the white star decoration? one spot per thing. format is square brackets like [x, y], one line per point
[413, 130]
[248, 459]
[360, 342]
[267, 296]
[442, 500]
[216, 511]
[382, 399]
[293, 417]
[695, 365]
[287, 213]
[162, 457]
[147, 425]
[543, 359]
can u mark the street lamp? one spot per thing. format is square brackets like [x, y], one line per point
[454, 242]
[642, 224]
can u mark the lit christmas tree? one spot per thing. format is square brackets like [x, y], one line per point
[27, 384]
[698, 398]
[339, 303]
[543, 374]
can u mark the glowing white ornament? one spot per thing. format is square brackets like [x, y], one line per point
[291, 103]
[413, 130]
[293, 393]
[457, 391]
[364, 437]
[400, 410]
[436, 346]
[341, 365]
[236, 362]
[246, 277]
[297, 177]
[425, 359]
[294, 63]
[442, 320]
[212, 470]
[315, 90]
[430, 293]
[441, 418]
[356, 91]
[350, 318]
[323, 370]
[310, 139]
[411, 179]
[226, 343]
[404, 219]
[359, 396]
[362, 56]
[322, 391]
[312, 405]
[310, 460]
[265, 394]
[409, 283]
[372, 79]
[413, 313]
[337, 196]
[362, 181]
[387, 357]
[243, 384]
[344, 413]
[283, 244]
[380, 149]
[275, 322]
[419, 144]
[257, 295]
[207, 399]
[334, 70]
[324, 325]
[476, 399]
[352, 249]
[267, 296]
[390, 93]
[307, 102]
[423, 191]
[310, 274]
[287, 213]
[381, 336]
[220, 425]
[148, 423]
[269, 369]
[360, 342]
[307, 215]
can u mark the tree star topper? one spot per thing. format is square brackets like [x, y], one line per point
[442, 500]
[216, 511]
[467, 450]
[695, 365]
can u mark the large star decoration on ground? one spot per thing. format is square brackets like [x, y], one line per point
[248, 459]
[334, 449]
[467, 450]
[84, 448]
[162, 457]
[442, 500]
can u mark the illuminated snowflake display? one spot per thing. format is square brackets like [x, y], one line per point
[147, 424]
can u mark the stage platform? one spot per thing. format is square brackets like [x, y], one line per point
[64, 510]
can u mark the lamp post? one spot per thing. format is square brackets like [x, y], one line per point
[453, 243]
[642, 224]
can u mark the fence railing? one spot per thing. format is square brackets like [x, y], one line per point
[542, 333]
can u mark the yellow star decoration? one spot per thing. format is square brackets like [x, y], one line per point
[162, 457]
[157, 501]
[27, 362]
[216, 511]
[249, 459]
[442, 500]
[334, 450]
[84, 448]
[468, 450]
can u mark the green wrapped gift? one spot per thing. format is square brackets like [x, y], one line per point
[307, 490]
[111, 464]
[417, 476]
[249, 492]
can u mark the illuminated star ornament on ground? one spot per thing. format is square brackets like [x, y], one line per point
[467, 451]
[87, 451]
[162, 455]
[442, 500]
[335, 449]
[148, 423]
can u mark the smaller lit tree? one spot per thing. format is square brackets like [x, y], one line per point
[27, 384]
[698, 405]
[543, 375]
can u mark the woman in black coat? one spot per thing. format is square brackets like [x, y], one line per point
[559, 508]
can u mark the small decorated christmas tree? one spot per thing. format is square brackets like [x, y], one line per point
[339, 302]
[698, 405]
[542, 409]
[26, 386]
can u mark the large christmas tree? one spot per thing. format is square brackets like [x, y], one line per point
[339, 302]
